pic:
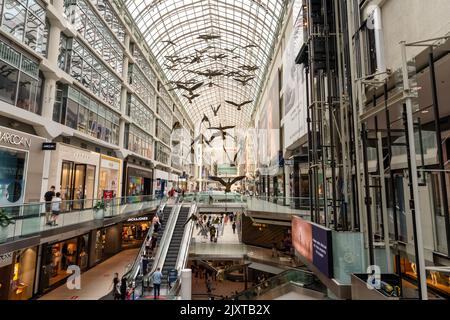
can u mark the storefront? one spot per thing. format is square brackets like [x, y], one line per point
[134, 231]
[106, 242]
[174, 181]
[56, 257]
[74, 173]
[439, 282]
[17, 274]
[20, 178]
[161, 182]
[139, 181]
[109, 177]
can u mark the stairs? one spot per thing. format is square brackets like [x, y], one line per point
[175, 243]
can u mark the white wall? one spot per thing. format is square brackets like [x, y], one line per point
[411, 21]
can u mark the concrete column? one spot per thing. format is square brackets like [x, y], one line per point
[287, 186]
[186, 284]
[45, 173]
[59, 5]
[48, 100]
[122, 134]
[54, 36]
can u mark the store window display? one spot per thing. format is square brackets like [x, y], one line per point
[12, 176]
[108, 184]
[57, 257]
[134, 232]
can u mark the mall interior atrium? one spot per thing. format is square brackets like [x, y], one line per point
[224, 150]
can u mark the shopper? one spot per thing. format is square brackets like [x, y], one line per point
[115, 282]
[157, 277]
[56, 208]
[153, 241]
[209, 286]
[148, 244]
[274, 250]
[156, 223]
[234, 227]
[48, 197]
[123, 289]
[212, 232]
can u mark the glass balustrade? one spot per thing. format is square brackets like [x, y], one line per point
[32, 218]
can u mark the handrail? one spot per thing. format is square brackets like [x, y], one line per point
[32, 219]
[165, 239]
[277, 281]
[131, 275]
[183, 252]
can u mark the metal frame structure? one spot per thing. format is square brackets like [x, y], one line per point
[174, 29]
[327, 125]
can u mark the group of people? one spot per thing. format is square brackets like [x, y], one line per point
[213, 225]
[120, 288]
[52, 206]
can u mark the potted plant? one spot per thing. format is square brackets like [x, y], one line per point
[99, 210]
[5, 221]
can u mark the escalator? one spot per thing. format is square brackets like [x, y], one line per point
[175, 243]
[163, 218]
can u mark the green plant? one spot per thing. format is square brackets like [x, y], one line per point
[100, 205]
[4, 219]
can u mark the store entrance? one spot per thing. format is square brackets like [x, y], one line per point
[77, 183]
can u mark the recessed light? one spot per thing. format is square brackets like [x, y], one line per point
[425, 111]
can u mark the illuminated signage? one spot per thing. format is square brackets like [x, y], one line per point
[49, 146]
[6, 259]
[15, 139]
[137, 219]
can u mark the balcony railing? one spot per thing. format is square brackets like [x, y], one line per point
[33, 218]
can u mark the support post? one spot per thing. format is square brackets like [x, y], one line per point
[418, 239]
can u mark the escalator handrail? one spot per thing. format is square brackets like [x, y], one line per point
[183, 253]
[134, 270]
[268, 281]
[166, 238]
[186, 241]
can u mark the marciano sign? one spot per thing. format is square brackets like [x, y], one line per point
[14, 139]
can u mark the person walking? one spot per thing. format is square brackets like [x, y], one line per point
[209, 286]
[212, 232]
[234, 227]
[157, 277]
[56, 208]
[115, 282]
[48, 197]
[274, 250]
[123, 289]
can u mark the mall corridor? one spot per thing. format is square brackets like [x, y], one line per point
[96, 283]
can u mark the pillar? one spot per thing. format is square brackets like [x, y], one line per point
[48, 100]
[186, 284]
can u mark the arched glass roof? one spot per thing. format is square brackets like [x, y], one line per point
[224, 44]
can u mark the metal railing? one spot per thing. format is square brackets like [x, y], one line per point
[303, 278]
[33, 218]
[183, 253]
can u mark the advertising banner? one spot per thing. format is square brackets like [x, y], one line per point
[313, 242]
[294, 87]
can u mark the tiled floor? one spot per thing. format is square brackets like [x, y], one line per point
[96, 282]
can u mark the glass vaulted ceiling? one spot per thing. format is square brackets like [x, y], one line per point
[226, 45]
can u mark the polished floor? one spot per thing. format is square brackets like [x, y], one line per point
[96, 282]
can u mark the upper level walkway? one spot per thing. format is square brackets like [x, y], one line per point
[30, 220]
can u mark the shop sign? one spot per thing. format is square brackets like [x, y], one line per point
[6, 259]
[108, 194]
[15, 139]
[49, 146]
[135, 219]
[110, 164]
